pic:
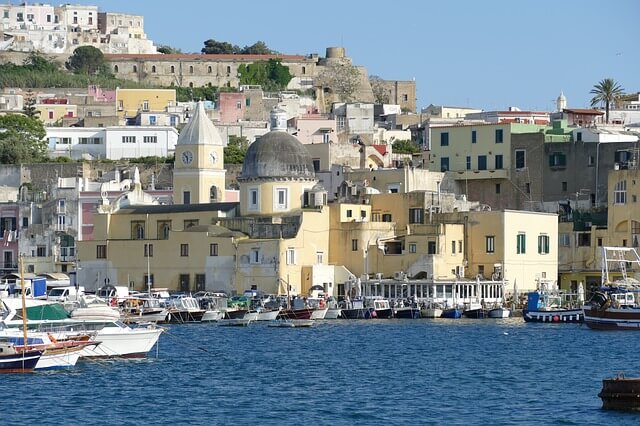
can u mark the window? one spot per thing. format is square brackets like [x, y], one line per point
[255, 255]
[238, 105]
[412, 248]
[153, 68]
[186, 197]
[191, 69]
[184, 250]
[90, 141]
[416, 215]
[578, 136]
[527, 188]
[521, 243]
[499, 135]
[444, 139]
[148, 280]
[490, 243]
[282, 199]
[557, 159]
[564, 240]
[316, 165]
[620, 192]
[137, 230]
[349, 213]
[150, 139]
[188, 223]
[163, 229]
[591, 161]
[135, 68]
[209, 69]
[431, 247]
[564, 186]
[543, 244]
[101, 251]
[213, 249]
[41, 251]
[474, 136]
[497, 188]
[499, 160]
[453, 247]
[291, 256]
[521, 159]
[468, 162]
[459, 246]
[444, 164]
[172, 70]
[386, 217]
[584, 239]
[148, 250]
[128, 139]
[354, 245]
[253, 199]
[319, 258]
[482, 162]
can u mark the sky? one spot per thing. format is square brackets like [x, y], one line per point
[489, 54]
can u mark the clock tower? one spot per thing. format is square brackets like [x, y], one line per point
[198, 173]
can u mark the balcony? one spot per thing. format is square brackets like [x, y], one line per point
[481, 174]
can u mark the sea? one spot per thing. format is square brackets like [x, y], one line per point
[426, 372]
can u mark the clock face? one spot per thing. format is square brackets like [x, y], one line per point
[187, 157]
[213, 158]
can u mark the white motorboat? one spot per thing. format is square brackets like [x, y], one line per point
[499, 312]
[212, 315]
[267, 314]
[95, 308]
[431, 311]
[117, 340]
[319, 313]
[333, 313]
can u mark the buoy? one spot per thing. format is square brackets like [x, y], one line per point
[556, 318]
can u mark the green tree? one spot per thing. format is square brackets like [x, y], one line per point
[21, 139]
[37, 62]
[213, 47]
[257, 48]
[236, 150]
[405, 147]
[606, 92]
[167, 50]
[86, 60]
[271, 74]
[29, 107]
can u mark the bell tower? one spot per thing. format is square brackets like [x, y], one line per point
[199, 174]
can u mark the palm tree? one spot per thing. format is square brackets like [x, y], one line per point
[606, 91]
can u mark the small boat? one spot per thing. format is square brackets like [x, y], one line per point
[14, 361]
[475, 313]
[620, 393]
[431, 310]
[237, 322]
[355, 309]
[408, 312]
[451, 313]
[95, 308]
[546, 305]
[295, 314]
[214, 304]
[333, 311]
[185, 309]
[292, 323]
[499, 312]
[147, 309]
[382, 308]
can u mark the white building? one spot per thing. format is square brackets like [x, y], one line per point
[113, 143]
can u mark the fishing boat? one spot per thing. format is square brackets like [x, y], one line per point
[614, 306]
[475, 312]
[451, 313]
[14, 361]
[431, 310]
[406, 312]
[143, 310]
[214, 304]
[333, 310]
[355, 309]
[381, 307]
[547, 304]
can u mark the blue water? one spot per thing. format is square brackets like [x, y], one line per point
[360, 372]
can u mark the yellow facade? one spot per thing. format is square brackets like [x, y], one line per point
[624, 208]
[129, 102]
[51, 114]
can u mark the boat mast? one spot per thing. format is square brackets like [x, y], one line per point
[24, 307]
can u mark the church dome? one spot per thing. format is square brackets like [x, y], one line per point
[277, 154]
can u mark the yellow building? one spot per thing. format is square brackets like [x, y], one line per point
[52, 113]
[129, 102]
[199, 174]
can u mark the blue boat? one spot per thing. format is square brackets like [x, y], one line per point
[453, 313]
[539, 310]
[12, 361]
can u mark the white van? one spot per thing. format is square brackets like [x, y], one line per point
[64, 294]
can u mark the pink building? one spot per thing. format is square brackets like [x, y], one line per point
[232, 107]
[314, 128]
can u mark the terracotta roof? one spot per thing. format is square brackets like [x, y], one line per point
[583, 111]
[382, 149]
[197, 56]
[521, 112]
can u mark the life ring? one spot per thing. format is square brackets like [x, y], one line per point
[114, 301]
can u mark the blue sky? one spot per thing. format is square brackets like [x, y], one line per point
[487, 54]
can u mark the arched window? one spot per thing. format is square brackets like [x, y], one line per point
[153, 68]
[191, 69]
[173, 69]
[304, 70]
[191, 84]
[115, 68]
[138, 231]
[209, 69]
[135, 68]
[213, 194]
[165, 231]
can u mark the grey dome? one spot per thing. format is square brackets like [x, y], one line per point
[277, 154]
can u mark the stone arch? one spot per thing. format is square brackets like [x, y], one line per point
[115, 68]
[622, 226]
[214, 194]
[153, 68]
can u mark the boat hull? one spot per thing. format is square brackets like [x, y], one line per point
[407, 313]
[475, 313]
[212, 315]
[185, 316]
[620, 394]
[122, 343]
[358, 313]
[555, 316]
[499, 313]
[613, 319]
[431, 313]
[451, 313]
[59, 359]
[304, 313]
[319, 313]
[23, 362]
[384, 313]
[333, 314]
[267, 315]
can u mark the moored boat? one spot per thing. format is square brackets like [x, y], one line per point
[185, 309]
[475, 313]
[620, 393]
[451, 313]
[499, 312]
[548, 305]
[14, 361]
[431, 310]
